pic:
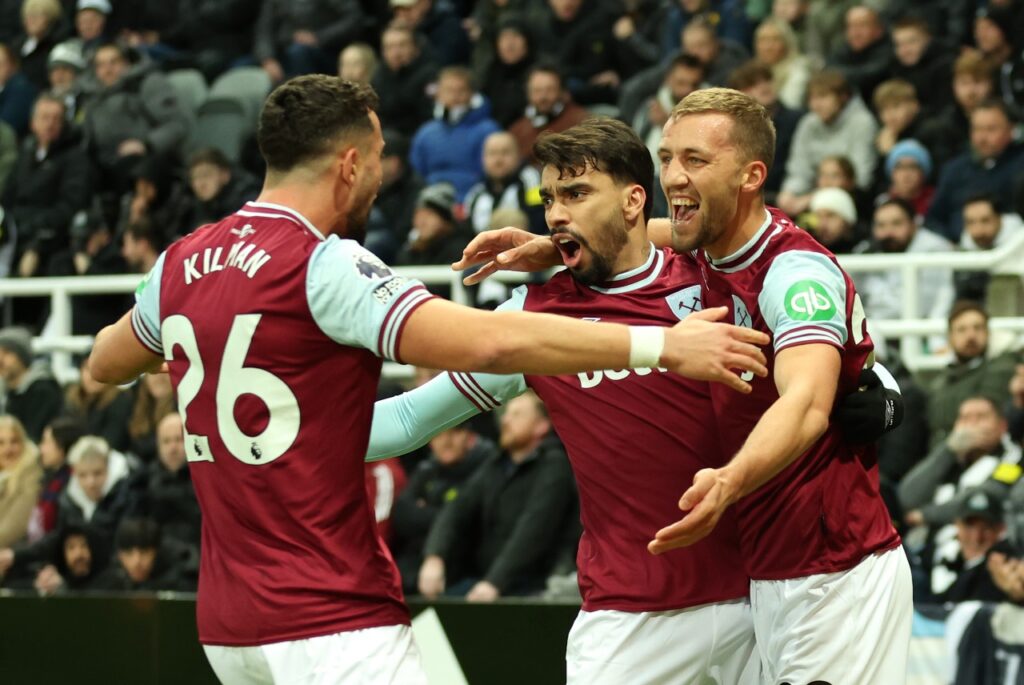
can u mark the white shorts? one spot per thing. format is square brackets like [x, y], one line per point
[846, 628]
[373, 656]
[709, 644]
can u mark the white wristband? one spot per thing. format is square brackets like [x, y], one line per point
[646, 344]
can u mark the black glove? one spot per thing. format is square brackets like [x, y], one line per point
[866, 414]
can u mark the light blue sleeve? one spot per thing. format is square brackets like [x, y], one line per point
[803, 300]
[410, 420]
[357, 300]
[146, 312]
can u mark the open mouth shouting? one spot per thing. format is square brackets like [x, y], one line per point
[683, 209]
[570, 247]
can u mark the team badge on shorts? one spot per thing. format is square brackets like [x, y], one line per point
[686, 301]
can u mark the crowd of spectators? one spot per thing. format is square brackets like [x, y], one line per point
[124, 125]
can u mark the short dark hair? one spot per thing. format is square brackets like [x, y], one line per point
[996, 103]
[906, 207]
[304, 117]
[912, 21]
[985, 197]
[685, 60]
[545, 67]
[122, 50]
[749, 74]
[142, 229]
[961, 307]
[989, 399]
[605, 144]
[137, 532]
[209, 155]
[66, 431]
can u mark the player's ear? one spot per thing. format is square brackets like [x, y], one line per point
[349, 159]
[754, 176]
[633, 201]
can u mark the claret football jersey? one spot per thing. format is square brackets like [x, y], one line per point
[274, 336]
[823, 513]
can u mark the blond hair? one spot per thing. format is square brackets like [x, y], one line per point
[894, 92]
[89, 448]
[29, 451]
[752, 129]
[51, 9]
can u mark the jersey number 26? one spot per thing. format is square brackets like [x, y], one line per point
[234, 379]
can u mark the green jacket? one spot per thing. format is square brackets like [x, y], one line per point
[989, 377]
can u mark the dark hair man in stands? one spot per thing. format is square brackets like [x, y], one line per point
[140, 246]
[992, 164]
[517, 503]
[971, 373]
[401, 80]
[550, 108]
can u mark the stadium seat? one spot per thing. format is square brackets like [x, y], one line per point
[190, 88]
[223, 123]
[248, 85]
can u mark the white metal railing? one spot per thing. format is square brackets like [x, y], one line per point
[1007, 260]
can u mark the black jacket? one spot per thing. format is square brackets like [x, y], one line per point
[167, 498]
[431, 486]
[36, 402]
[511, 517]
[404, 103]
[43, 195]
[176, 568]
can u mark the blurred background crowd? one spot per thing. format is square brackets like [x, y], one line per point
[125, 125]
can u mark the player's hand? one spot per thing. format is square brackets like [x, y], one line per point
[508, 249]
[431, 580]
[698, 348]
[482, 592]
[869, 412]
[712, 492]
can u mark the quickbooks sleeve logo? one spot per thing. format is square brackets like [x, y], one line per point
[809, 301]
[142, 284]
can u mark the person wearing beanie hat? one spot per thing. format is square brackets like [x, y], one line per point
[32, 394]
[435, 237]
[835, 217]
[908, 167]
[66, 65]
[994, 33]
[18, 342]
[909, 149]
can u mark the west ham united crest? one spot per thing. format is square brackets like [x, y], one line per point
[684, 302]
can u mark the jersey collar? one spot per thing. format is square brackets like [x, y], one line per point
[271, 210]
[748, 254]
[634, 279]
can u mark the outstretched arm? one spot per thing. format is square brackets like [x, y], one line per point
[410, 420]
[806, 377]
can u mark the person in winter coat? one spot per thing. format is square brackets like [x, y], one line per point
[59, 436]
[33, 395]
[450, 147]
[20, 475]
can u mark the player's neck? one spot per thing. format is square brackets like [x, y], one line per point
[308, 200]
[636, 252]
[745, 225]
